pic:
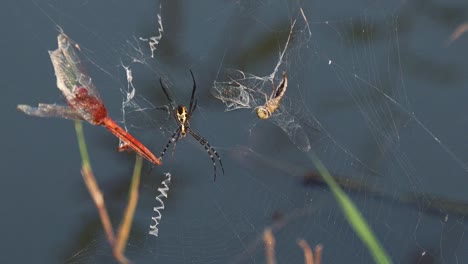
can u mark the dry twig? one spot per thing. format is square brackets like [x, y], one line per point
[118, 245]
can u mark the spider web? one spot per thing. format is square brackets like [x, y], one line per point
[245, 90]
[364, 85]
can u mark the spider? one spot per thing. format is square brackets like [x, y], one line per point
[183, 115]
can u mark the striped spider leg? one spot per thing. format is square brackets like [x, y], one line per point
[183, 115]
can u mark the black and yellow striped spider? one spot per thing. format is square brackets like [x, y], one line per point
[183, 115]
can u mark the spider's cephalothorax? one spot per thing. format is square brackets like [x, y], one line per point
[182, 115]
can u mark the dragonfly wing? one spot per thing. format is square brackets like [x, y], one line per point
[293, 128]
[66, 81]
[69, 69]
[50, 110]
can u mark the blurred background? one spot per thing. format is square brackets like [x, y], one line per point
[378, 87]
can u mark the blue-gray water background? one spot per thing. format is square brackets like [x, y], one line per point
[409, 92]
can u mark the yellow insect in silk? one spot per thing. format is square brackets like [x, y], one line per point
[271, 104]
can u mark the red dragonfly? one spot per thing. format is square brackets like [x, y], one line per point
[82, 97]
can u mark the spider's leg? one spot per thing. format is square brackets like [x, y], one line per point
[171, 102]
[193, 109]
[166, 109]
[193, 94]
[209, 149]
[217, 156]
[175, 143]
[173, 138]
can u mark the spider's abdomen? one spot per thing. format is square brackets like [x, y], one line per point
[181, 114]
[183, 131]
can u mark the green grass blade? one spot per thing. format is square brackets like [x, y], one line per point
[353, 216]
[82, 144]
